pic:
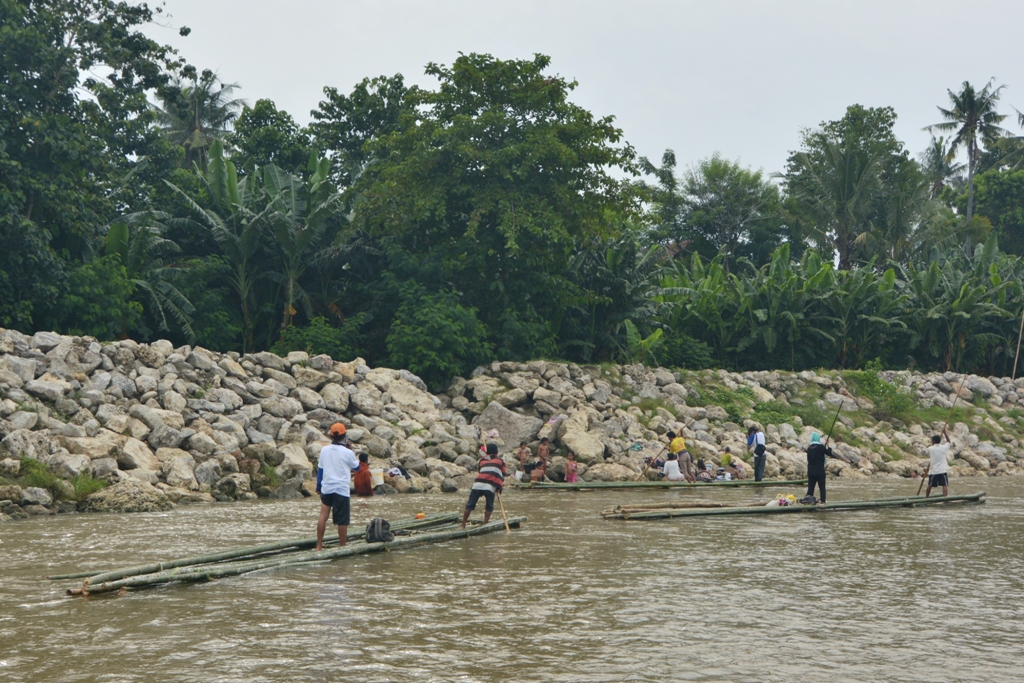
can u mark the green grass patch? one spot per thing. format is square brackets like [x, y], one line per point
[889, 401]
[35, 473]
[85, 486]
[939, 414]
[737, 403]
[652, 405]
[273, 478]
[776, 413]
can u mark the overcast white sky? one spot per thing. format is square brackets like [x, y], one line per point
[738, 77]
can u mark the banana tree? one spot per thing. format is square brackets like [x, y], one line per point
[237, 222]
[137, 240]
[299, 217]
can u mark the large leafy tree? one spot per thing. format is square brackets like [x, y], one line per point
[195, 110]
[344, 126]
[74, 125]
[263, 135]
[493, 186]
[854, 185]
[999, 197]
[974, 121]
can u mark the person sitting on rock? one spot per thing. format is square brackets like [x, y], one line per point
[362, 480]
[489, 482]
[677, 445]
[671, 469]
[703, 472]
[543, 454]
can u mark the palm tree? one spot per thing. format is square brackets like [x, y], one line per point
[195, 115]
[939, 167]
[972, 116]
[837, 188]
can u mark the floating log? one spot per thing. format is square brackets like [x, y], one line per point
[587, 485]
[207, 573]
[764, 509]
[266, 549]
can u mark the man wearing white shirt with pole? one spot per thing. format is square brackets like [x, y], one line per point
[938, 467]
[333, 476]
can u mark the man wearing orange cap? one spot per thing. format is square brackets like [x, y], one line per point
[333, 476]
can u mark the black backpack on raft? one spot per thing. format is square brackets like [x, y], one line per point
[379, 531]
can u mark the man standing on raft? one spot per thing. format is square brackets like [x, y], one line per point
[489, 482]
[938, 469]
[333, 475]
[756, 443]
[817, 454]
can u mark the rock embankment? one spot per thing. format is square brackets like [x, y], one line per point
[165, 425]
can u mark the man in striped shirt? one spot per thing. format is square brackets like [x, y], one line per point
[489, 482]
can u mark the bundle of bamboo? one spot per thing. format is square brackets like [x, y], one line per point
[434, 529]
[662, 484]
[646, 512]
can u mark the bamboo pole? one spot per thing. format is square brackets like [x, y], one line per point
[543, 486]
[909, 501]
[503, 515]
[1019, 336]
[266, 549]
[194, 574]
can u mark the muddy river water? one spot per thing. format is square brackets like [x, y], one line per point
[923, 595]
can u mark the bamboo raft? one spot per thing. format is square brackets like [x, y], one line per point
[705, 509]
[606, 485]
[431, 529]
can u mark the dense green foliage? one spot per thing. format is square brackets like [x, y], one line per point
[487, 217]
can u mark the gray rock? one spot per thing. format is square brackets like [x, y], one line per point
[365, 403]
[33, 495]
[512, 427]
[130, 495]
[978, 385]
[323, 363]
[233, 485]
[335, 397]
[308, 377]
[208, 472]
[48, 391]
[258, 437]
[449, 485]
[22, 442]
[413, 380]
[270, 360]
[23, 420]
[512, 397]
[44, 341]
[279, 376]
[9, 467]
[165, 437]
[415, 464]
[177, 470]
[23, 367]
[309, 399]
[201, 443]
[146, 415]
[200, 361]
[103, 468]
[281, 406]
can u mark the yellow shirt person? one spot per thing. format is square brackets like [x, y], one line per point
[677, 445]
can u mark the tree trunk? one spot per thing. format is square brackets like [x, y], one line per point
[970, 181]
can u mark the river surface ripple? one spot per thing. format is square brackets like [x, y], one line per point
[928, 595]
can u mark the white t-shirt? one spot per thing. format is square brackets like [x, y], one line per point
[937, 453]
[671, 470]
[337, 462]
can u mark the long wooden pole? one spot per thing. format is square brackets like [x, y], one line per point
[1019, 335]
[501, 505]
[946, 424]
[834, 422]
